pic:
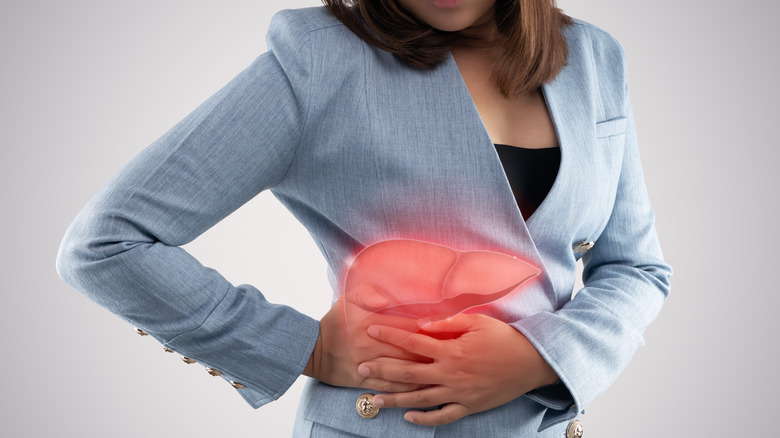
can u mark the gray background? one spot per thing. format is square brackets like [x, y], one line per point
[86, 84]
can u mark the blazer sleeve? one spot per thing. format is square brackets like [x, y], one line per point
[590, 340]
[122, 250]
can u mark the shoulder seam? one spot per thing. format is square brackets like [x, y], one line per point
[311, 27]
[592, 26]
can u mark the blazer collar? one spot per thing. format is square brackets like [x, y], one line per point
[552, 96]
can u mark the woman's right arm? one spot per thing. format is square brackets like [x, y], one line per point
[122, 250]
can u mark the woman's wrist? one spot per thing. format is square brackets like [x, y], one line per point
[312, 368]
[542, 373]
[547, 375]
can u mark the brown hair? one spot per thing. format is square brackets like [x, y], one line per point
[530, 34]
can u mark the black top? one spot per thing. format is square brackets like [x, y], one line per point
[531, 174]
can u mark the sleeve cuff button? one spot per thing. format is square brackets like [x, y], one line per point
[213, 371]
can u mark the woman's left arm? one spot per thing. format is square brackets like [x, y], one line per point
[586, 343]
[591, 339]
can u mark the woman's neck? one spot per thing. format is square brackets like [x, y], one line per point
[480, 35]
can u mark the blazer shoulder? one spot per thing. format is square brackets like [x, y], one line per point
[312, 38]
[291, 25]
[603, 51]
[596, 54]
[305, 20]
[586, 32]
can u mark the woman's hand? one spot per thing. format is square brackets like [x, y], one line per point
[343, 344]
[478, 363]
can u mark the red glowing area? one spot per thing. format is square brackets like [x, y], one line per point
[422, 280]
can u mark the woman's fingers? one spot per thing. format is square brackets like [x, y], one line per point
[382, 384]
[389, 387]
[458, 323]
[359, 318]
[437, 417]
[411, 342]
[422, 398]
[367, 297]
[399, 322]
[400, 371]
[366, 348]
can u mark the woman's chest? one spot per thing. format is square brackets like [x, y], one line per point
[408, 156]
[518, 120]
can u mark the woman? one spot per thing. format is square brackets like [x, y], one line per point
[381, 122]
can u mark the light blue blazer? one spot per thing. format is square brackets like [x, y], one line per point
[361, 148]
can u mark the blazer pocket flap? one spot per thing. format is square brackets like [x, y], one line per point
[611, 127]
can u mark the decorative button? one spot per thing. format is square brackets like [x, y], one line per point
[583, 246]
[188, 360]
[213, 371]
[574, 430]
[237, 385]
[141, 332]
[365, 406]
[167, 350]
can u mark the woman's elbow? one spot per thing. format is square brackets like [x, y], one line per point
[88, 243]
[74, 252]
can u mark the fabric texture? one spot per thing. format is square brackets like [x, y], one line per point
[361, 148]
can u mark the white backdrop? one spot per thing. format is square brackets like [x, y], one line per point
[85, 85]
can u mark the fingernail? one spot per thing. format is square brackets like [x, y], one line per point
[364, 371]
[373, 331]
[409, 417]
[378, 402]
